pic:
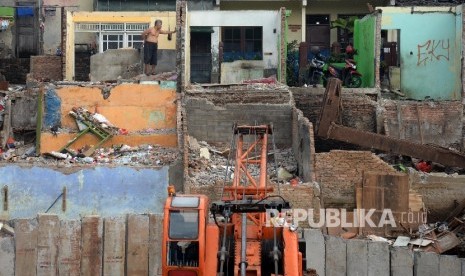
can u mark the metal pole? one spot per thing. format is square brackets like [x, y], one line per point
[244, 244]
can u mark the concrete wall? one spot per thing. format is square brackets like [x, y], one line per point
[211, 115]
[115, 63]
[303, 145]
[104, 191]
[438, 123]
[269, 20]
[339, 172]
[125, 245]
[330, 255]
[134, 107]
[46, 68]
[240, 70]
[440, 192]
[428, 52]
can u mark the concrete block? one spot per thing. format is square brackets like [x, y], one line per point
[69, 249]
[137, 245]
[335, 256]
[426, 264]
[449, 266]
[462, 261]
[114, 246]
[315, 250]
[47, 244]
[378, 258]
[357, 258]
[401, 262]
[26, 246]
[7, 256]
[155, 239]
[92, 245]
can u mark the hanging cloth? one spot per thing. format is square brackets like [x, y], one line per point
[7, 12]
[25, 11]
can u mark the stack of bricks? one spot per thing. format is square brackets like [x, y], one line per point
[46, 67]
[437, 123]
[15, 70]
[340, 172]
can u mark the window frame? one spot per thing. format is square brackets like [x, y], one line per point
[243, 40]
[170, 237]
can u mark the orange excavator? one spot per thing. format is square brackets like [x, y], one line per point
[243, 234]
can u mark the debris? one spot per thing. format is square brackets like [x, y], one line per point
[7, 229]
[205, 153]
[424, 166]
[348, 235]
[379, 239]
[60, 155]
[284, 175]
[421, 242]
[402, 241]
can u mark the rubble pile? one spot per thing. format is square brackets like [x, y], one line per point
[209, 164]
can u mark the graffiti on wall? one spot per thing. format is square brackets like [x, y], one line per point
[433, 50]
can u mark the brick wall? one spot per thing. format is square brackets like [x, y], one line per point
[15, 69]
[210, 116]
[305, 196]
[437, 123]
[338, 172]
[46, 67]
[358, 110]
[303, 145]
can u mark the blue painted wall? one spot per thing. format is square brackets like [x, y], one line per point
[430, 50]
[105, 191]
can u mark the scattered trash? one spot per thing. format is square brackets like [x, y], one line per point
[402, 241]
[204, 153]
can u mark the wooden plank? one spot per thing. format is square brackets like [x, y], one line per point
[114, 246]
[137, 258]
[92, 245]
[26, 247]
[155, 241]
[7, 256]
[47, 244]
[69, 250]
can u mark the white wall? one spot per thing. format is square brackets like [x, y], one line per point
[268, 20]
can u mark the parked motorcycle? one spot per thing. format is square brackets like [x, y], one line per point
[319, 70]
[349, 75]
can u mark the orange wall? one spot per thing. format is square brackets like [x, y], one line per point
[134, 107]
[130, 106]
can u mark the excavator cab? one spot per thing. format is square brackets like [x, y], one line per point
[237, 240]
[184, 233]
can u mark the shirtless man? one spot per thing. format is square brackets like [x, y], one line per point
[150, 37]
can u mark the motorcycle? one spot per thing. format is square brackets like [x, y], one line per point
[319, 70]
[349, 75]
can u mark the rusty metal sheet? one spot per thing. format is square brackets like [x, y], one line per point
[69, 250]
[92, 245]
[47, 245]
[137, 253]
[328, 128]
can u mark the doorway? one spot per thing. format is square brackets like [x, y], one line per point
[201, 56]
[318, 31]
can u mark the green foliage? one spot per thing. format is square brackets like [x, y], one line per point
[345, 24]
[292, 62]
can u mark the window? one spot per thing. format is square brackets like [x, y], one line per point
[112, 41]
[134, 40]
[184, 224]
[242, 43]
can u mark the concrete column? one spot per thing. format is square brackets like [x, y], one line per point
[315, 250]
[401, 262]
[378, 258]
[304, 20]
[426, 264]
[357, 258]
[449, 265]
[335, 256]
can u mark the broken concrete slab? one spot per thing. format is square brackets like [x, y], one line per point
[357, 258]
[449, 265]
[401, 261]
[378, 259]
[113, 63]
[336, 263]
[315, 250]
[426, 264]
[137, 245]
[114, 250]
[47, 244]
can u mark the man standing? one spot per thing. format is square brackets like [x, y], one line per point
[150, 37]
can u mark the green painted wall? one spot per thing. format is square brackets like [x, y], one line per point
[364, 43]
[430, 50]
